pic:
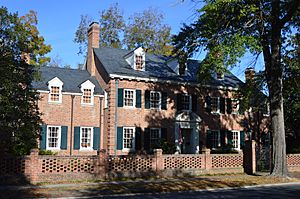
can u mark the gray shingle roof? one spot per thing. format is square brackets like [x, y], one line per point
[72, 79]
[114, 62]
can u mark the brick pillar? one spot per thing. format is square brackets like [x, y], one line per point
[32, 166]
[207, 159]
[158, 160]
[249, 158]
[101, 166]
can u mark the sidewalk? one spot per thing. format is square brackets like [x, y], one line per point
[140, 186]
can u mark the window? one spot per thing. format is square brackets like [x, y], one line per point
[235, 105]
[215, 139]
[139, 62]
[87, 89]
[128, 138]
[53, 137]
[155, 100]
[186, 102]
[155, 136]
[215, 105]
[129, 98]
[55, 88]
[86, 138]
[54, 94]
[87, 96]
[235, 139]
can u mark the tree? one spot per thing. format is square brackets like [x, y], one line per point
[143, 29]
[227, 29]
[146, 29]
[20, 43]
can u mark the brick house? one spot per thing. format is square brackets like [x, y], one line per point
[128, 101]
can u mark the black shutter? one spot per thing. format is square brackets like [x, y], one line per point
[147, 139]
[242, 139]
[119, 138]
[43, 137]
[138, 138]
[208, 139]
[222, 105]
[164, 100]
[229, 105]
[179, 102]
[230, 138]
[194, 103]
[147, 99]
[222, 136]
[164, 134]
[96, 138]
[120, 97]
[76, 137]
[64, 138]
[138, 98]
[208, 104]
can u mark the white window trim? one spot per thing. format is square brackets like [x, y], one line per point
[105, 99]
[160, 100]
[134, 100]
[190, 102]
[218, 105]
[92, 139]
[219, 138]
[57, 83]
[238, 141]
[58, 141]
[238, 106]
[159, 130]
[133, 141]
[87, 85]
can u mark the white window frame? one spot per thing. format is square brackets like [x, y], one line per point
[133, 139]
[218, 105]
[160, 96]
[55, 82]
[105, 99]
[87, 85]
[238, 140]
[190, 102]
[92, 138]
[58, 140]
[219, 139]
[238, 106]
[139, 52]
[159, 135]
[134, 95]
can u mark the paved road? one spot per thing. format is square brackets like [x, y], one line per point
[274, 191]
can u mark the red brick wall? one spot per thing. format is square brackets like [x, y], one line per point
[60, 114]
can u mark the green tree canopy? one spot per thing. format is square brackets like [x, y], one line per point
[227, 29]
[142, 29]
[19, 115]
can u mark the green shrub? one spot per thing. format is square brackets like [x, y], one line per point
[46, 152]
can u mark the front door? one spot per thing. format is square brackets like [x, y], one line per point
[186, 146]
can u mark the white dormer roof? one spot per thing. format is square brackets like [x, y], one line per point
[87, 85]
[131, 58]
[55, 82]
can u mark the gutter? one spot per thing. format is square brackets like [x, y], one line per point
[72, 115]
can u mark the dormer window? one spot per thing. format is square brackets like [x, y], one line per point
[220, 76]
[136, 59]
[139, 63]
[87, 89]
[55, 87]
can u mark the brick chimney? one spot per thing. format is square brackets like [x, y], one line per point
[93, 42]
[249, 74]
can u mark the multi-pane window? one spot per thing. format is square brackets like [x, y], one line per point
[215, 139]
[86, 138]
[139, 62]
[235, 139]
[87, 96]
[154, 137]
[128, 138]
[129, 97]
[215, 104]
[53, 137]
[186, 102]
[54, 94]
[155, 99]
[235, 105]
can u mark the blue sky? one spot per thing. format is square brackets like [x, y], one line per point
[59, 19]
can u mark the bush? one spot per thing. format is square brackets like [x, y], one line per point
[46, 152]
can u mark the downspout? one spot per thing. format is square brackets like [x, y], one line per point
[116, 116]
[100, 122]
[72, 110]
